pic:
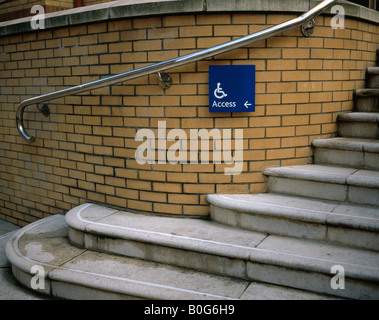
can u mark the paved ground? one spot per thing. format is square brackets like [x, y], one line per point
[9, 288]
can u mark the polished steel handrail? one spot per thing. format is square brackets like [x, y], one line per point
[172, 63]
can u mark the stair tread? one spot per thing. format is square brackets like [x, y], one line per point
[328, 173]
[373, 70]
[367, 92]
[311, 256]
[353, 144]
[301, 209]
[186, 233]
[45, 243]
[359, 117]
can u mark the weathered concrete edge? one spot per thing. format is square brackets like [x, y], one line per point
[119, 10]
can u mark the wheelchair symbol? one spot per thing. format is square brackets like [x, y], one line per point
[219, 93]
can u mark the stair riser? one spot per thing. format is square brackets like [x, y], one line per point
[72, 291]
[373, 80]
[76, 290]
[355, 159]
[322, 190]
[366, 104]
[298, 229]
[65, 290]
[234, 267]
[316, 282]
[366, 196]
[358, 129]
[161, 254]
[268, 224]
[26, 278]
[306, 188]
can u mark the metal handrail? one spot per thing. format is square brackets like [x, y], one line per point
[172, 63]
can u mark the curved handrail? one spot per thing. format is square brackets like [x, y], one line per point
[172, 63]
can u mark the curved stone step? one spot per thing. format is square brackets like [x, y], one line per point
[75, 273]
[191, 243]
[326, 182]
[247, 255]
[328, 221]
[359, 125]
[352, 152]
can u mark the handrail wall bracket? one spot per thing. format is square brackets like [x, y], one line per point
[165, 80]
[45, 110]
[309, 28]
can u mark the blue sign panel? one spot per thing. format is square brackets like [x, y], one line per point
[232, 88]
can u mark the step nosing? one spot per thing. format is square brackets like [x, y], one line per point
[370, 117]
[302, 257]
[353, 216]
[346, 144]
[305, 174]
[274, 205]
[351, 177]
[367, 92]
[373, 70]
[144, 283]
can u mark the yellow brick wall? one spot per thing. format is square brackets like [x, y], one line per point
[85, 150]
[91, 2]
[17, 5]
[20, 8]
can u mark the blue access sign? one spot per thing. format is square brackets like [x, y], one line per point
[232, 88]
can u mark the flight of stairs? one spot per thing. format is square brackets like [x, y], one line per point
[283, 244]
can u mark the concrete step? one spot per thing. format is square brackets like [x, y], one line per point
[213, 248]
[9, 288]
[326, 182]
[366, 100]
[353, 152]
[373, 77]
[298, 217]
[359, 125]
[77, 273]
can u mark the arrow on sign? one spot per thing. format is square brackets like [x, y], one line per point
[247, 104]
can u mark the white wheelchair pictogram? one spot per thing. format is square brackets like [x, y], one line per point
[219, 93]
